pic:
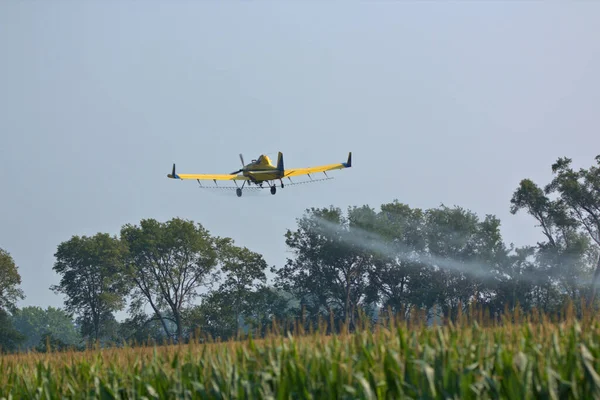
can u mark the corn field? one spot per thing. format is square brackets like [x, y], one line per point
[520, 357]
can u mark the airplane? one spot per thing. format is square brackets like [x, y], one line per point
[261, 171]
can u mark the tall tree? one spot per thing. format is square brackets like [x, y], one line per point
[10, 293]
[465, 253]
[168, 262]
[399, 280]
[10, 279]
[579, 193]
[562, 258]
[243, 275]
[330, 271]
[90, 270]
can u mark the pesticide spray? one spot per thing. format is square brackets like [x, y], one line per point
[372, 242]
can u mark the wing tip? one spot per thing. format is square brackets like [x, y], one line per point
[348, 163]
[173, 175]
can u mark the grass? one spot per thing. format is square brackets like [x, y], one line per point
[521, 357]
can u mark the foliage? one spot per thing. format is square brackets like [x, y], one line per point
[469, 255]
[91, 278]
[141, 329]
[10, 338]
[570, 223]
[49, 343]
[579, 192]
[10, 292]
[167, 263]
[217, 317]
[330, 269]
[36, 323]
[243, 274]
[397, 258]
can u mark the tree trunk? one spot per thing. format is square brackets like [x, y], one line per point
[160, 317]
[347, 306]
[96, 322]
[178, 322]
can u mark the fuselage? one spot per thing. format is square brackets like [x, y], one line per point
[262, 169]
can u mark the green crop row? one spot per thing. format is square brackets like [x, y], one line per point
[513, 360]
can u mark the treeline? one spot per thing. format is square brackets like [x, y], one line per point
[176, 280]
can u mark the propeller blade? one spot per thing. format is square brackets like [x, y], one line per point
[236, 172]
[242, 160]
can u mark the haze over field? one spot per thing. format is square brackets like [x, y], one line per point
[449, 103]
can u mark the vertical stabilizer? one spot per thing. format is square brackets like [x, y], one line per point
[280, 162]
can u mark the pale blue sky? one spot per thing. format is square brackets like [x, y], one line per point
[440, 102]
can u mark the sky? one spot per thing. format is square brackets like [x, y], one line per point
[440, 103]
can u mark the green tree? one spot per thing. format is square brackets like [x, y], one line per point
[34, 323]
[142, 329]
[10, 338]
[466, 254]
[168, 262]
[399, 280]
[215, 316]
[91, 278]
[579, 193]
[10, 280]
[562, 265]
[243, 275]
[10, 293]
[518, 282]
[48, 342]
[270, 306]
[329, 274]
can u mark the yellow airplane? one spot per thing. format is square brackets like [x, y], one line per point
[262, 171]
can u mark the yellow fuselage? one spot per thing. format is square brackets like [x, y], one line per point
[262, 170]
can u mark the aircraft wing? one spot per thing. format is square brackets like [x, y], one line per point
[218, 177]
[319, 168]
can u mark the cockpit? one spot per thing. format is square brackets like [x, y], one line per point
[263, 159]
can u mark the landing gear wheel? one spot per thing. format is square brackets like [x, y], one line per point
[238, 191]
[273, 189]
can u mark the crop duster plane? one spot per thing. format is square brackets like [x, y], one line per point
[262, 171]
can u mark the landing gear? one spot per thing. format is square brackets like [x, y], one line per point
[238, 191]
[272, 186]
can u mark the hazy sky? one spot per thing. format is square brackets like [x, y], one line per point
[440, 102]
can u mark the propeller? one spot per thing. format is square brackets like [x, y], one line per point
[243, 166]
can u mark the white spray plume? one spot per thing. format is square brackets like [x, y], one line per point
[374, 242]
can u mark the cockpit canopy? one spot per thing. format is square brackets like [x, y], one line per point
[262, 160]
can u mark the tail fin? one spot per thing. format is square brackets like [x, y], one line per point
[280, 162]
